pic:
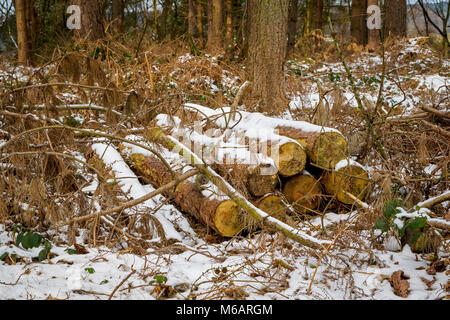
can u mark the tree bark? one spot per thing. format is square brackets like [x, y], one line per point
[292, 25]
[215, 24]
[358, 26]
[23, 53]
[200, 19]
[167, 5]
[267, 52]
[373, 35]
[117, 14]
[229, 23]
[92, 27]
[395, 18]
[192, 21]
[318, 16]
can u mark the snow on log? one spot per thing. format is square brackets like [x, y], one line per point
[304, 192]
[347, 176]
[324, 146]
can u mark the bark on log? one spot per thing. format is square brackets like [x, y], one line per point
[248, 179]
[223, 216]
[347, 176]
[303, 192]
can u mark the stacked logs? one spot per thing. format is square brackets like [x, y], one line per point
[278, 183]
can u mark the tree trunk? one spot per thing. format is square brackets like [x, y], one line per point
[267, 52]
[318, 15]
[395, 18]
[192, 21]
[309, 14]
[229, 23]
[167, 5]
[23, 53]
[117, 14]
[91, 20]
[358, 21]
[215, 24]
[200, 20]
[292, 25]
[373, 35]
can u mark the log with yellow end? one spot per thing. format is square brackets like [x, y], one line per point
[273, 204]
[219, 213]
[304, 192]
[291, 159]
[324, 147]
[347, 176]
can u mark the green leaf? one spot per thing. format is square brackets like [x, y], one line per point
[382, 225]
[104, 282]
[416, 223]
[160, 279]
[43, 254]
[70, 251]
[89, 270]
[35, 240]
[19, 238]
[3, 256]
[390, 209]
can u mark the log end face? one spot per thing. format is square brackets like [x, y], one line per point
[291, 159]
[346, 180]
[227, 219]
[260, 184]
[303, 192]
[329, 149]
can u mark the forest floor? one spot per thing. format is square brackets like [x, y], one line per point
[186, 260]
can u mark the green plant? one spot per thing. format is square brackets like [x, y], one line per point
[70, 251]
[31, 239]
[386, 222]
[89, 270]
[159, 279]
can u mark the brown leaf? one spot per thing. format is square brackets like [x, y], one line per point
[80, 249]
[436, 266]
[400, 283]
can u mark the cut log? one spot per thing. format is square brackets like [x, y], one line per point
[273, 205]
[347, 176]
[324, 149]
[249, 179]
[304, 192]
[293, 233]
[290, 156]
[222, 215]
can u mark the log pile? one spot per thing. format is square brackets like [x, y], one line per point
[275, 181]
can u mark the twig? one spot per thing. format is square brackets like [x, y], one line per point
[436, 128]
[436, 112]
[120, 284]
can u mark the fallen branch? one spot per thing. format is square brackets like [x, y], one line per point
[436, 128]
[436, 112]
[435, 200]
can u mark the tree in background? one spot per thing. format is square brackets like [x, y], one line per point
[92, 27]
[292, 25]
[395, 18]
[23, 43]
[215, 24]
[267, 52]
[373, 35]
[358, 26]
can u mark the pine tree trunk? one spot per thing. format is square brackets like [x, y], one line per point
[267, 51]
[167, 5]
[117, 13]
[373, 35]
[192, 21]
[292, 25]
[229, 23]
[318, 15]
[215, 24]
[395, 18]
[308, 17]
[92, 27]
[200, 19]
[358, 21]
[23, 53]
